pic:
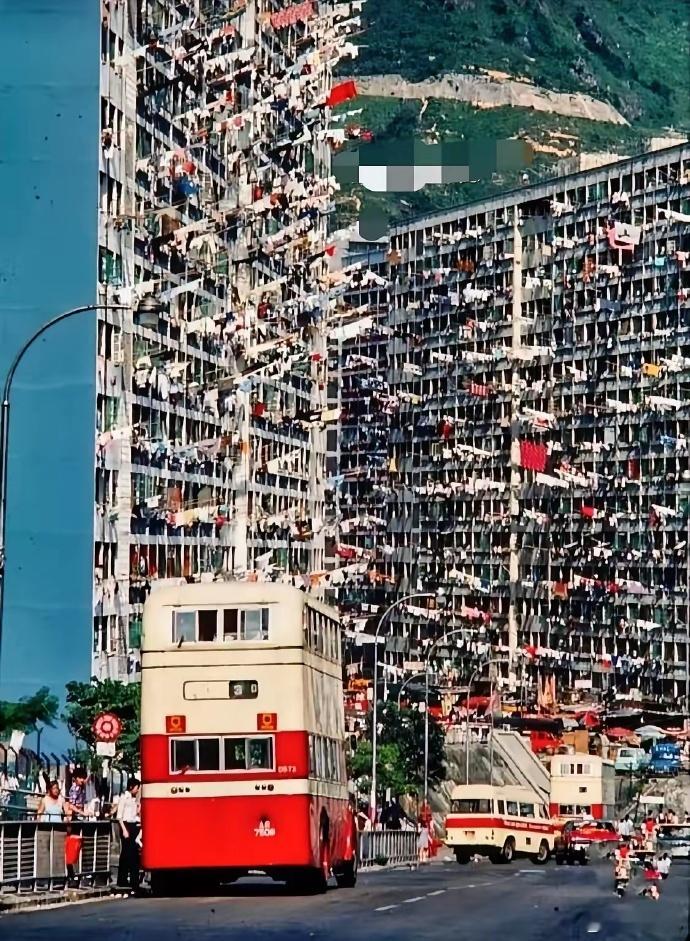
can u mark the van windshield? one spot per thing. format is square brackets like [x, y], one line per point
[471, 805]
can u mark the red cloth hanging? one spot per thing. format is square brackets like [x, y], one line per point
[533, 456]
[340, 93]
[588, 512]
[633, 468]
[258, 408]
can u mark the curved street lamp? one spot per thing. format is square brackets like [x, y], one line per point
[456, 630]
[374, 733]
[480, 669]
[147, 308]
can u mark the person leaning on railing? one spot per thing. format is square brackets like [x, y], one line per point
[54, 808]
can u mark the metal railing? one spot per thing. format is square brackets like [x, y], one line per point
[33, 859]
[387, 848]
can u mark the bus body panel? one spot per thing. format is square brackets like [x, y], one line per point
[243, 832]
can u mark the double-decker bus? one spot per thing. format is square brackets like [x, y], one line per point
[242, 738]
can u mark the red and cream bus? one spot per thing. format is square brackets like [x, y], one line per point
[242, 732]
[499, 822]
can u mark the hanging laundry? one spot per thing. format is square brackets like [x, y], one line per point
[533, 456]
[340, 93]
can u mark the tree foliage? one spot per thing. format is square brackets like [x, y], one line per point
[400, 752]
[85, 701]
[30, 712]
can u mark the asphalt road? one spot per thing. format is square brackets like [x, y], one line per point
[440, 902]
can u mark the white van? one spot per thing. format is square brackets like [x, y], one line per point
[500, 822]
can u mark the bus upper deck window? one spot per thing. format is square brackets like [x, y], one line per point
[184, 627]
[208, 626]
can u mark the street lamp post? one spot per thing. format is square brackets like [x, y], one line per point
[457, 630]
[480, 668]
[410, 679]
[374, 730]
[148, 305]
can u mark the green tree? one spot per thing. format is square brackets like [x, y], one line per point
[400, 752]
[30, 712]
[85, 701]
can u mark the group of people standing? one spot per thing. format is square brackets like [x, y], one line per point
[54, 807]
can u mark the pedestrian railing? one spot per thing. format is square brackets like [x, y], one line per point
[34, 856]
[387, 847]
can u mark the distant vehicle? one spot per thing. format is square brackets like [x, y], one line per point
[499, 822]
[664, 759]
[581, 840]
[674, 839]
[631, 760]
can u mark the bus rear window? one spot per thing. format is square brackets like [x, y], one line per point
[471, 805]
[205, 625]
[247, 754]
[206, 754]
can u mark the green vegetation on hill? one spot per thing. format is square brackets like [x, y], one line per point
[394, 120]
[633, 55]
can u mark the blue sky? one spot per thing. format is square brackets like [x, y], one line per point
[49, 128]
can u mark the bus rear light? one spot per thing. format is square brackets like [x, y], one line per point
[267, 721]
[176, 725]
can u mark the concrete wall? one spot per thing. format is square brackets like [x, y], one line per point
[49, 143]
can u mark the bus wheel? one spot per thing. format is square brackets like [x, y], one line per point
[462, 857]
[166, 884]
[346, 876]
[508, 850]
[542, 857]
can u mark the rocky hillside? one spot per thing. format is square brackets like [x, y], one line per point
[571, 76]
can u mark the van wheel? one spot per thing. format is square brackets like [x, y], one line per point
[508, 850]
[542, 857]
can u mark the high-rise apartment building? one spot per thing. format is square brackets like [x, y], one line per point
[215, 192]
[538, 375]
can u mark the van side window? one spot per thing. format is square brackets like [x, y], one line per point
[512, 808]
[501, 807]
[527, 810]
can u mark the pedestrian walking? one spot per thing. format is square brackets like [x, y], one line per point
[53, 807]
[664, 866]
[129, 821]
[423, 844]
[626, 827]
[77, 792]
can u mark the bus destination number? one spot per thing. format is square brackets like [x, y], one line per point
[244, 689]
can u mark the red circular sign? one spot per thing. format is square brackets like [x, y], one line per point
[107, 727]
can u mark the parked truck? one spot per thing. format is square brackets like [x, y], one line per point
[664, 759]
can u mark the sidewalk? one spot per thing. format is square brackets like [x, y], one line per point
[30, 901]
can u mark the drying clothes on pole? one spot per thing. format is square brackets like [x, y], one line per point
[533, 456]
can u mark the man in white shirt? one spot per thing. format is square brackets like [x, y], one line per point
[664, 865]
[128, 820]
[626, 827]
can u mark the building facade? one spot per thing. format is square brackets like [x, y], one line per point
[215, 193]
[538, 369]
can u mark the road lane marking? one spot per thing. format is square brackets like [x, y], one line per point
[417, 898]
[385, 908]
[437, 892]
